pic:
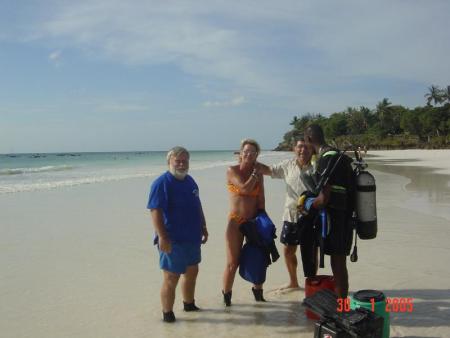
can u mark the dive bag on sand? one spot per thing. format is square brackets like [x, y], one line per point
[359, 323]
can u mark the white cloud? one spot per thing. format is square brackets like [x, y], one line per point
[55, 58]
[117, 107]
[183, 34]
[233, 102]
[306, 52]
[238, 43]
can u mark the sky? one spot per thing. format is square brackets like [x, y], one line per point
[109, 75]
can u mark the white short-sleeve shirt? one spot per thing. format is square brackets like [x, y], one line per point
[297, 181]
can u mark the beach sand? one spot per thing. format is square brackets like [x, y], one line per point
[79, 262]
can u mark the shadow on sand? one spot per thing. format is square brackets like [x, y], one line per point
[431, 308]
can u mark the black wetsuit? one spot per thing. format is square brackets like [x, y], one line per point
[253, 237]
[339, 240]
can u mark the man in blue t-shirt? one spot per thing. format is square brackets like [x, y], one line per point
[180, 228]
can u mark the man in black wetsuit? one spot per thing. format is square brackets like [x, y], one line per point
[335, 198]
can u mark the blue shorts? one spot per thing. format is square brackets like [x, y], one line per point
[181, 256]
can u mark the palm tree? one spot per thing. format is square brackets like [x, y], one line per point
[383, 113]
[369, 116]
[356, 122]
[435, 94]
[446, 94]
[294, 121]
[383, 105]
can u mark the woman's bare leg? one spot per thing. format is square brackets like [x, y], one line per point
[233, 242]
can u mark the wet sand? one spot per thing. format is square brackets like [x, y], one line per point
[79, 262]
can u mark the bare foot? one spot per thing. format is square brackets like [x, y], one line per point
[287, 288]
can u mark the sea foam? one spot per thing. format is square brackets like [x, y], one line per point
[32, 170]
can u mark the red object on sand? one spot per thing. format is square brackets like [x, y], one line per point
[315, 284]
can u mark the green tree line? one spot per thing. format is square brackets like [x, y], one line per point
[387, 126]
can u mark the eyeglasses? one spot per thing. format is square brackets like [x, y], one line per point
[249, 152]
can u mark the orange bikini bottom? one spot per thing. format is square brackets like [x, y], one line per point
[237, 218]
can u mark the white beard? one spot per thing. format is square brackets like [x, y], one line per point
[179, 175]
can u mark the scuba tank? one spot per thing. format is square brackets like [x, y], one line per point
[365, 201]
[361, 191]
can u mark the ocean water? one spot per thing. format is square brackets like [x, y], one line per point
[33, 172]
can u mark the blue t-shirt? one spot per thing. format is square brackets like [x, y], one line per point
[181, 207]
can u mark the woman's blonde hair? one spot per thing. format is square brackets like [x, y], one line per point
[252, 142]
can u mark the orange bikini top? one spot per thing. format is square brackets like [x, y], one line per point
[235, 190]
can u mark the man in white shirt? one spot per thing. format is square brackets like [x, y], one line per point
[298, 174]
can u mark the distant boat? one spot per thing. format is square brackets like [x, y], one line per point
[66, 154]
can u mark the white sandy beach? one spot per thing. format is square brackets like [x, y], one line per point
[437, 159]
[79, 262]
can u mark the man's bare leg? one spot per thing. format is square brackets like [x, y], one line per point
[339, 268]
[170, 281]
[290, 259]
[188, 283]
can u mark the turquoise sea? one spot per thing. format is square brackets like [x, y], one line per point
[32, 172]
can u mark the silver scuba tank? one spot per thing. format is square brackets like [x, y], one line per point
[365, 205]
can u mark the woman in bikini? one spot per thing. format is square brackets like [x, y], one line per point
[246, 187]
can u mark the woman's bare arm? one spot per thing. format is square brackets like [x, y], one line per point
[244, 186]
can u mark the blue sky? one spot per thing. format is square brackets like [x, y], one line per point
[106, 75]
